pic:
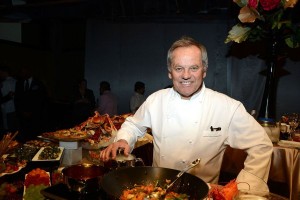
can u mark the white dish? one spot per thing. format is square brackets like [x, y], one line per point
[250, 197]
[5, 173]
[36, 157]
[24, 190]
[286, 143]
[13, 172]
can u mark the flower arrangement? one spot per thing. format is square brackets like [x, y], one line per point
[259, 19]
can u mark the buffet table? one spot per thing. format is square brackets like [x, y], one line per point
[287, 171]
[144, 150]
[73, 153]
[285, 167]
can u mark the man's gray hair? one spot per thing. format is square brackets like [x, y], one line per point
[186, 41]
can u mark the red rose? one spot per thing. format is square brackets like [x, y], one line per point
[253, 3]
[269, 4]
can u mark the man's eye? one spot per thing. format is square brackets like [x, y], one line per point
[194, 69]
[178, 69]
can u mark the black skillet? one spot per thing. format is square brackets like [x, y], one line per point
[114, 182]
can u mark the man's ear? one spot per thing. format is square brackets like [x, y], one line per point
[170, 75]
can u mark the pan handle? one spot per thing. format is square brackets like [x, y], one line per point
[139, 160]
[191, 165]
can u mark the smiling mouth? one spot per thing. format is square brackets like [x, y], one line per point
[187, 83]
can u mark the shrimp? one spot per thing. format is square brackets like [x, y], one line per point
[224, 193]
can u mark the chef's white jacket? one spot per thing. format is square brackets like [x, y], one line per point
[201, 127]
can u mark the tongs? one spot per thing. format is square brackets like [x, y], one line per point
[191, 165]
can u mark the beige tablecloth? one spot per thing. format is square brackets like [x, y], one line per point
[285, 166]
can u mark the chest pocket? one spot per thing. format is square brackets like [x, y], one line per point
[212, 135]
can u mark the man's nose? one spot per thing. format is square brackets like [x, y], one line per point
[186, 74]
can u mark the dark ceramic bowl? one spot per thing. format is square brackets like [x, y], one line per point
[83, 178]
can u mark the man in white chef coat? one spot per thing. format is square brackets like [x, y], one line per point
[190, 121]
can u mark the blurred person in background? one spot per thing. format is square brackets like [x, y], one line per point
[138, 98]
[31, 104]
[8, 85]
[83, 102]
[107, 101]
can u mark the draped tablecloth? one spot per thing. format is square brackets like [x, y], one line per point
[285, 166]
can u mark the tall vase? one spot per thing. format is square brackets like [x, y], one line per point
[267, 112]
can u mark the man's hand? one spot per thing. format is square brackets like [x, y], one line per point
[111, 151]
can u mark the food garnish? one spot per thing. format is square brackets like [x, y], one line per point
[227, 192]
[36, 180]
[50, 153]
[151, 192]
[5, 142]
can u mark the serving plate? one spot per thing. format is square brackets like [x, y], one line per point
[67, 135]
[24, 190]
[36, 157]
[20, 165]
[47, 138]
[71, 139]
[286, 143]
[7, 173]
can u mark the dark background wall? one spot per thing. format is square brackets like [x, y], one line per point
[56, 51]
[127, 52]
[129, 42]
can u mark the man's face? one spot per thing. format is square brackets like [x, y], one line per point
[141, 91]
[187, 71]
[83, 84]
